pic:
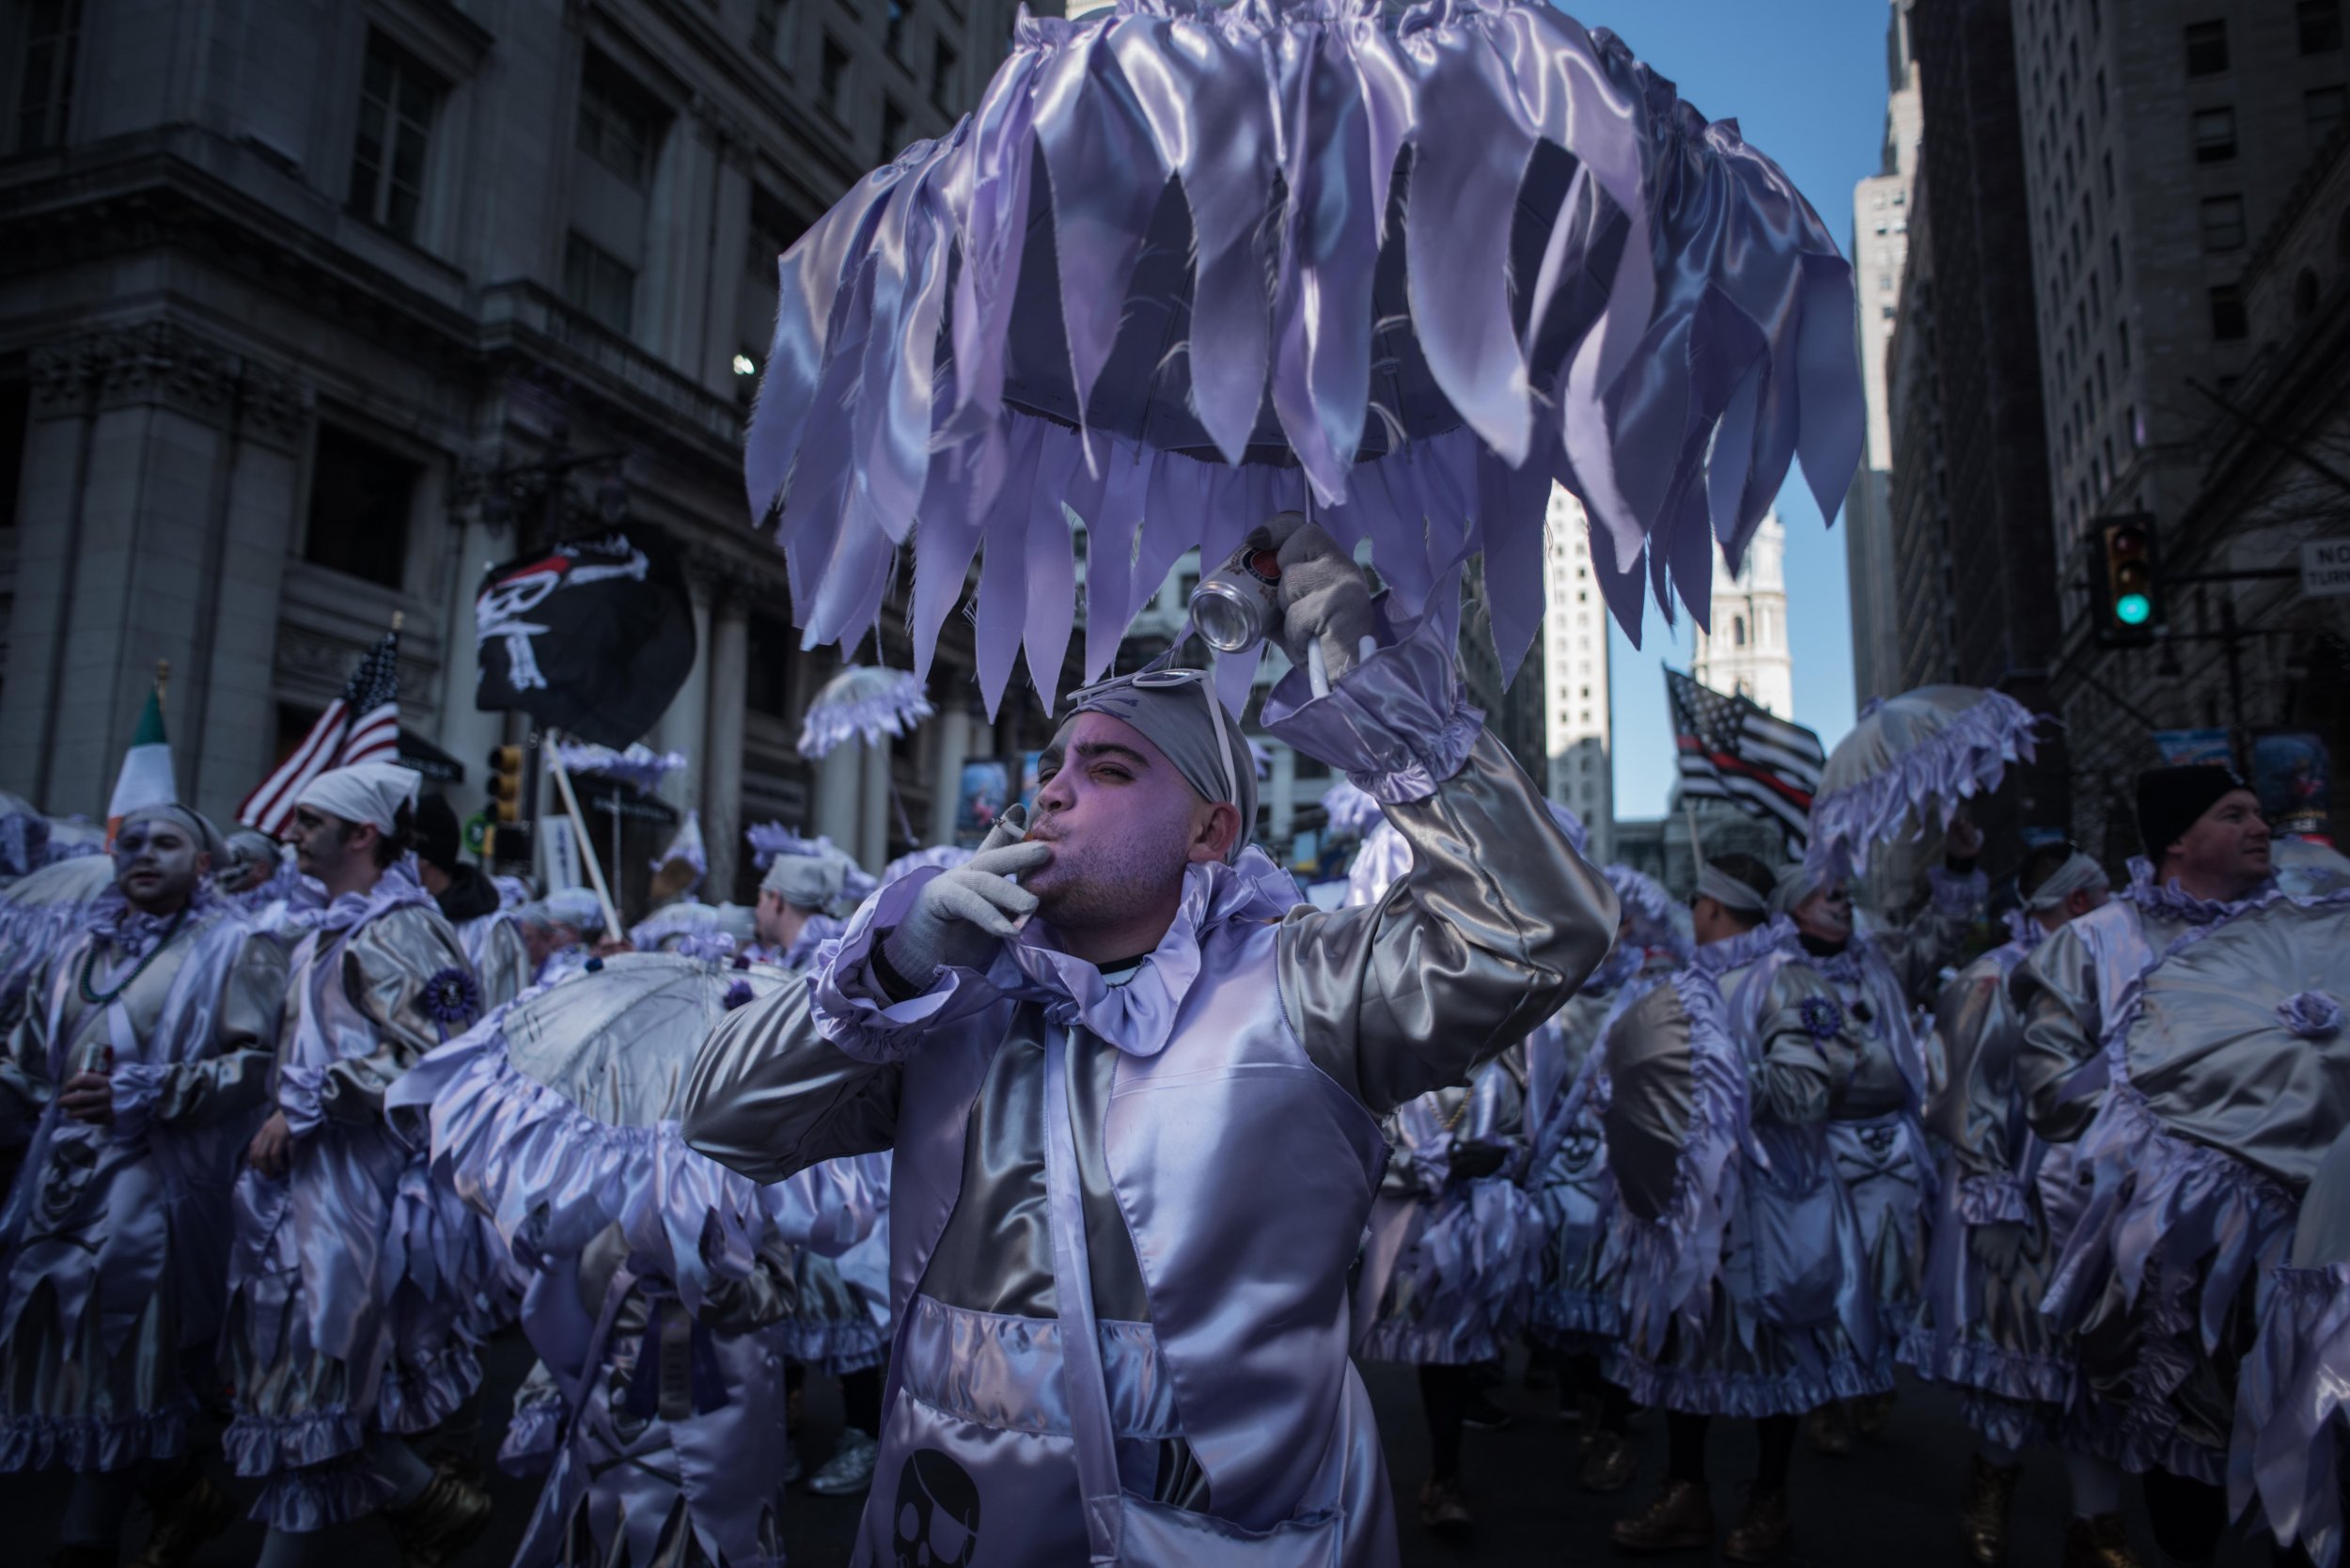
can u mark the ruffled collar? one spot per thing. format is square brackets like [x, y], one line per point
[2024, 932]
[1137, 1014]
[285, 881]
[133, 933]
[1719, 958]
[397, 887]
[2169, 898]
[820, 930]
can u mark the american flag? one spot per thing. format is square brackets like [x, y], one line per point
[1731, 749]
[338, 739]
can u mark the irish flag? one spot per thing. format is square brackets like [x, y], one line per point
[146, 777]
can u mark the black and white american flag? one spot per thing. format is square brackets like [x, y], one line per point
[1731, 749]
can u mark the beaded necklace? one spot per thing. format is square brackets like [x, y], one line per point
[89, 963]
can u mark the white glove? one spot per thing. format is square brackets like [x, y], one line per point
[1326, 598]
[960, 916]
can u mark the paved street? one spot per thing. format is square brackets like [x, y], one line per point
[1891, 1503]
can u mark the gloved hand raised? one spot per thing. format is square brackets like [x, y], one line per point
[1326, 598]
[960, 916]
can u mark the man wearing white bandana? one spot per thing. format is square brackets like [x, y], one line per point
[348, 1281]
[792, 899]
[2185, 1043]
[1134, 1100]
[2007, 1200]
[142, 1061]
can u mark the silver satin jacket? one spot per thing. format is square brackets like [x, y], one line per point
[1224, 1099]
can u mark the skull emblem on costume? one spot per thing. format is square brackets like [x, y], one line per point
[936, 1521]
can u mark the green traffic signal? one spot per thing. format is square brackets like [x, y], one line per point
[2132, 609]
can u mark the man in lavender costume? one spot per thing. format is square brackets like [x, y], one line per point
[345, 1286]
[1222, 1056]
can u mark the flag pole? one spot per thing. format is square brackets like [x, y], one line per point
[579, 826]
[163, 680]
[1697, 846]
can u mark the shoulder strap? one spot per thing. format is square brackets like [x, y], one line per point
[1082, 1379]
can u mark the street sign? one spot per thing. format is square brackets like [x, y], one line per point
[2325, 568]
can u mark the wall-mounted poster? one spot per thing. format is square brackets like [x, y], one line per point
[986, 789]
[1029, 785]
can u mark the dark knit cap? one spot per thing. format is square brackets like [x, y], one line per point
[436, 837]
[2169, 800]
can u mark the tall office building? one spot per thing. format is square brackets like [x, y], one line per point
[1881, 210]
[1745, 651]
[2161, 141]
[1576, 721]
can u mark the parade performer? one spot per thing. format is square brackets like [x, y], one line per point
[143, 1053]
[1575, 1312]
[1875, 1137]
[790, 918]
[1134, 1098]
[662, 1283]
[1738, 1251]
[343, 1309]
[2005, 1200]
[2189, 1039]
[568, 922]
[470, 902]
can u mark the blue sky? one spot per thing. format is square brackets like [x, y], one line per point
[1805, 79]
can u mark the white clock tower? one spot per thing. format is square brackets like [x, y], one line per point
[1747, 650]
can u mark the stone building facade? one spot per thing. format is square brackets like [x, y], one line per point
[309, 313]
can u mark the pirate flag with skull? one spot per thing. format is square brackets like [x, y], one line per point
[592, 636]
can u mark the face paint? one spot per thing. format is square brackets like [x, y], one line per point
[157, 862]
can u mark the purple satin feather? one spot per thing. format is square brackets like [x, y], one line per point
[1688, 320]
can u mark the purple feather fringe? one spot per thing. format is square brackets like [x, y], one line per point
[2292, 1411]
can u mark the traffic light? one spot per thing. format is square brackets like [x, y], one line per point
[2125, 581]
[506, 784]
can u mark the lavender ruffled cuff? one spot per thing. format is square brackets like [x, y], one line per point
[137, 1086]
[1992, 1200]
[1398, 724]
[1963, 896]
[301, 1095]
[849, 1003]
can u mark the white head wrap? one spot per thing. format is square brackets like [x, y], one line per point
[576, 907]
[364, 793]
[1726, 890]
[807, 881]
[1796, 883]
[2066, 880]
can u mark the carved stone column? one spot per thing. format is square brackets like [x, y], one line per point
[722, 772]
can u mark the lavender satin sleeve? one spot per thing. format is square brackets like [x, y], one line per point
[385, 966]
[1490, 933]
[1399, 724]
[1794, 1078]
[2056, 994]
[1974, 1113]
[770, 1094]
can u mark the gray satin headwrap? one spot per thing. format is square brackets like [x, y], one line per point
[1726, 890]
[806, 881]
[208, 838]
[2066, 880]
[1796, 884]
[1185, 720]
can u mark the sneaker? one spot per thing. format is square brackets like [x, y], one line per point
[1828, 1429]
[1442, 1508]
[850, 1468]
[1763, 1533]
[1680, 1518]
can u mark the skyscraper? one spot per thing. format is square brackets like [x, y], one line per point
[1575, 656]
[1881, 210]
[1747, 650]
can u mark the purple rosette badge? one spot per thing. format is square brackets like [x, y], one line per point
[1821, 1018]
[453, 1000]
[2311, 1015]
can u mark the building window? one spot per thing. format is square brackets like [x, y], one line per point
[834, 81]
[774, 229]
[619, 126]
[361, 496]
[44, 76]
[767, 27]
[2214, 135]
[772, 649]
[2320, 23]
[943, 62]
[2321, 111]
[894, 30]
[893, 129]
[387, 157]
[2206, 48]
[1737, 631]
[2228, 324]
[2223, 223]
[2122, 328]
[600, 284]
